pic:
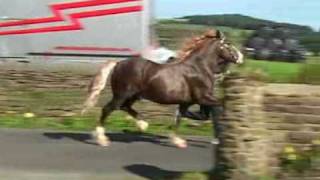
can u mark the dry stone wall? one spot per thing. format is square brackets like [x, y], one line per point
[260, 120]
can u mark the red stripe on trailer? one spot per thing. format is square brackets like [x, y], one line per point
[82, 48]
[75, 23]
[56, 8]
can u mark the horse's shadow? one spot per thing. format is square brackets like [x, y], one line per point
[152, 172]
[124, 137]
[156, 173]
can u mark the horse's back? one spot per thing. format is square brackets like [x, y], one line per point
[128, 75]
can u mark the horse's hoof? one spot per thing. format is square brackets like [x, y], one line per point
[142, 125]
[215, 141]
[182, 145]
[103, 141]
[179, 142]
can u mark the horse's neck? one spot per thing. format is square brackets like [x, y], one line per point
[203, 63]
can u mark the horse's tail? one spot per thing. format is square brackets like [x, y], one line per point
[97, 84]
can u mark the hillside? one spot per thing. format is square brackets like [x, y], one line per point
[242, 22]
[238, 28]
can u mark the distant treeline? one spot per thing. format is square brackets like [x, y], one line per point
[242, 22]
[308, 37]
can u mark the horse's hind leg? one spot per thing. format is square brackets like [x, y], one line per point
[101, 138]
[127, 107]
[175, 139]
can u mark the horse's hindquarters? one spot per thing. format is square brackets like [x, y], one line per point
[127, 78]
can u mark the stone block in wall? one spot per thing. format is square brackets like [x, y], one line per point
[233, 97]
[280, 117]
[236, 90]
[3, 98]
[284, 100]
[295, 109]
[302, 137]
[283, 127]
[313, 127]
[292, 90]
[230, 143]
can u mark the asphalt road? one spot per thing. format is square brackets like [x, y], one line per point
[52, 155]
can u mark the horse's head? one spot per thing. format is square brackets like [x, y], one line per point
[212, 48]
[226, 51]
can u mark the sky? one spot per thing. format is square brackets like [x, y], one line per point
[304, 12]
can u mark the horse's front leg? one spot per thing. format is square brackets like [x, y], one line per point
[175, 139]
[216, 113]
[210, 100]
[202, 115]
[193, 115]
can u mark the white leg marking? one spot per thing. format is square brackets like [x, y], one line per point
[179, 142]
[101, 138]
[142, 125]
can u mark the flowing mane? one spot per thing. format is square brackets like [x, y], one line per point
[192, 45]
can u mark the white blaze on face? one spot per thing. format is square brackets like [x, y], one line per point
[240, 56]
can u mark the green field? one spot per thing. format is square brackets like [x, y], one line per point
[283, 72]
[276, 72]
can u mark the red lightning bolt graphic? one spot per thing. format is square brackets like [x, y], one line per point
[74, 17]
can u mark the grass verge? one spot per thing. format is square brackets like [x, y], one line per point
[117, 122]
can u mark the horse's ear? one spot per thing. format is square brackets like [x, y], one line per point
[221, 36]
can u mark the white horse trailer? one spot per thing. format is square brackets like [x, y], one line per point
[75, 28]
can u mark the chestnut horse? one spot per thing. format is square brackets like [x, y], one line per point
[185, 82]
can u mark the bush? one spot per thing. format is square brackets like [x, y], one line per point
[299, 160]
